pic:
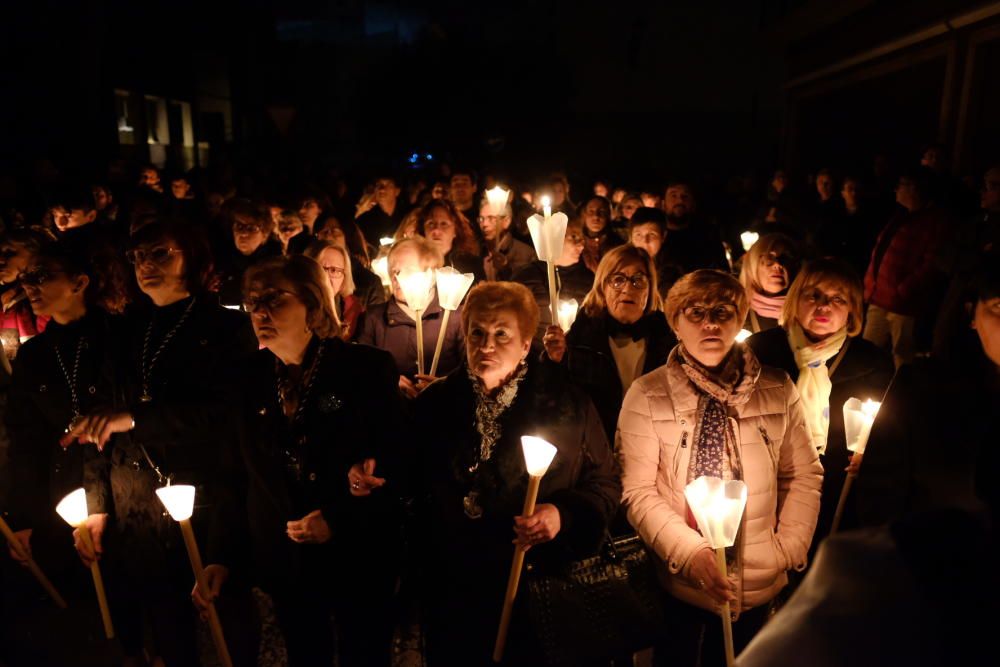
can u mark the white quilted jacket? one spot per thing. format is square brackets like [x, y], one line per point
[780, 467]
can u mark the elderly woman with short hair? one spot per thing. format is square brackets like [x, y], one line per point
[713, 410]
[471, 424]
[818, 345]
[321, 420]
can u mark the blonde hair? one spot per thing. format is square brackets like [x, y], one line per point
[594, 303]
[310, 285]
[411, 219]
[769, 244]
[316, 248]
[831, 271]
[502, 295]
[706, 286]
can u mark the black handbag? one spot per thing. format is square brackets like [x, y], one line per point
[598, 608]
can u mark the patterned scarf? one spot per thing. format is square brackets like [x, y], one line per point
[814, 378]
[714, 450]
[766, 306]
[489, 409]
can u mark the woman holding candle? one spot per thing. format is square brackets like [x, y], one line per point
[713, 410]
[447, 229]
[323, 531]
[768, 269]
[335, 261]
[619, 334]
[474, 472]
[818, 346]
[392, 326]
[179, 362]
[59, 375]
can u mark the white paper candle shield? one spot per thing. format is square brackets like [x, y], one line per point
[538, 454]
[497, 198]
[748, 239]
[73, 508]
[452, 287]
[567, 313]
[385, 240]
[858, 420]
[416, 287]
[548, 234]
[178, 499]
[718, 508]
[380, 267]
[743, 335]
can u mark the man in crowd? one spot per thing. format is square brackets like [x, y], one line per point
[384, 217]
[692, 242]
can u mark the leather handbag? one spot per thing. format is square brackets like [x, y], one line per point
[599, 608]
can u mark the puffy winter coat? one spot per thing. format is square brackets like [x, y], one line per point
[780, 467]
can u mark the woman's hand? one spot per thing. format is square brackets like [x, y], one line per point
[424, 381]
[855, 465]
[554, 341]
[97, 428]
[24, 539]
[96, 523]
[362, 478]
[407, 387]
[215, 576]
[705, 574]
[311, 529]
[542, 526]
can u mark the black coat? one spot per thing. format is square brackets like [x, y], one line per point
[864, 372]
[467, 560]
[234, 264]
[573, 282]
[40, 408]
[591, 365]
[933, 445]
[353, 411]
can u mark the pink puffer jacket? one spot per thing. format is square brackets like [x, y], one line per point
[780, 467]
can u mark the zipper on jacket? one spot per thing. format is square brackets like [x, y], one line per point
[770, 446]
[677, 453]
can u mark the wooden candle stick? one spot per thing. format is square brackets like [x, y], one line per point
[22, 553]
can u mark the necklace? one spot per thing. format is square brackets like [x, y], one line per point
[71, 380]
[147, 368]
[293, 456]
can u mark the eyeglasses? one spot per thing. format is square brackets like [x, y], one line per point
[38, 277]
[720, 314]
[244, 228]
[269, 301]
[158, 255]
[493, 218]
[334, 271]
[639, 281]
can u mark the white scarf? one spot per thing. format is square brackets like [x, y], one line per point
[814, 379]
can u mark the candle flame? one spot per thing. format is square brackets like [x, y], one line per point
[870, 408]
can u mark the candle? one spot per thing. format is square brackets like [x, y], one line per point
[743, 335]
[416, 287]
[73, 510]
[858, 421]
[380, 267]
[385, 240]
[748, 238]
[452, 287]
[546, 206]
[497, 198]
[567, 313]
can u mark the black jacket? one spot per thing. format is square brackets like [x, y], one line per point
[233, 264]
[352, 411]
[864, 372]
[573, 282]
[591, 365]
[40, 409]
[699, 246]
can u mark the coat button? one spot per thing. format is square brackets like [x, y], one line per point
[92, 389]
[312, 477]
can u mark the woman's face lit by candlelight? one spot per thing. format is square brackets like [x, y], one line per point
[986, 322]
[494, 346]
[823, 309]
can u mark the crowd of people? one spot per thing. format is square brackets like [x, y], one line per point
[261, 348]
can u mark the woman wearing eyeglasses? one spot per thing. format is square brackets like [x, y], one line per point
[619, 334]
[713, 410]
[321, 420]
[180, 362]
[818, 345]
[58, 376]
[335, 260]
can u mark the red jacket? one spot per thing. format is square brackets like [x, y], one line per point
[904, 269]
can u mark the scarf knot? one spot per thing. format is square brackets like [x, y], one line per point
[814, 383]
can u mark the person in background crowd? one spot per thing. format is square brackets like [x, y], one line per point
[647, 229]
[448, 230]
[851, 233]
[392, 326]
[818, 346]
[384, 217]
[313, 206]
[335, 261]
[952, 398]
[462, 188]
[558, 186]
[651, 199]
[624, 209]
[573, 278]
[691, 243]
[619, 334]
[713, 410]
[472, 473]
[18, 323]
[344, 231]
[505, 255]
[74, 215]
[320, 423]
[601, 189]
[149, 178]
[407, 228]
[826, 208]
[178, 364]
[251, 229]
[598, 235]
[104, 202]
[904, 281]
[288, 227]
[767, 271]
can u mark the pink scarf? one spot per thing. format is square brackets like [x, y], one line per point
[766, 306]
